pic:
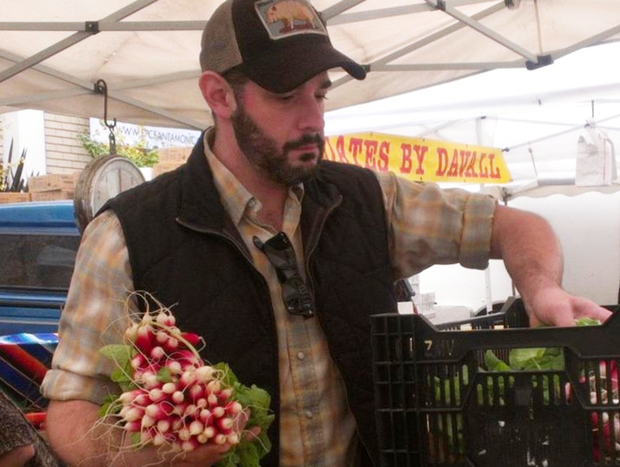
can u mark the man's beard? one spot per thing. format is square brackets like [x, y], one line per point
[263, 152]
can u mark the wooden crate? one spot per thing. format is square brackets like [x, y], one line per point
[6, 198]
[52, 195]
[52, 182]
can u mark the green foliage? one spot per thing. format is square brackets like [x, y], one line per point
[587, 322]
[93, 148]
[246, 453]
[493, 363]
[550, 359]
[110, 406]
[138, 153]
[533, 359]
[121, 354]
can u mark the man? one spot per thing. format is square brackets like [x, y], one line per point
[275, 257]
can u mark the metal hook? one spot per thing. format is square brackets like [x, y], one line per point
[101, 87]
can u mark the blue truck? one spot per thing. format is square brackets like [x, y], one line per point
[38, 245]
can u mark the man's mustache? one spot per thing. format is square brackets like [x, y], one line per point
[304, 141]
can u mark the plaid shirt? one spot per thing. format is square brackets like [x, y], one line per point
[427, 226]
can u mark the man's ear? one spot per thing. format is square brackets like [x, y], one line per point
[218, 94]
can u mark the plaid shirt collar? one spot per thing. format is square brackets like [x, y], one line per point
[235, 198]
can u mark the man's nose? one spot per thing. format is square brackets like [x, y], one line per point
[312, 115]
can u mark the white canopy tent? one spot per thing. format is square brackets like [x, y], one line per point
[53, 53]
[536, 116]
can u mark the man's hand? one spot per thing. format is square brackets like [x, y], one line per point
[75, 433]
[208, 455]
[533, 258]
[203, 455]
[556, 307]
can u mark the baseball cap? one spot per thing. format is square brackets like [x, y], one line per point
[278, 44]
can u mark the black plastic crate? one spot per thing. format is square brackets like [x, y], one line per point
[438, 405]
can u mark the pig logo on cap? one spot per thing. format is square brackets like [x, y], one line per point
[288, 17]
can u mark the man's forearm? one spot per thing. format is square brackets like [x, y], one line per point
[78, 437]
[80, 440]
[529, 248]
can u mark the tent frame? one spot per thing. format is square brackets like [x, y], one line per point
[337, 14]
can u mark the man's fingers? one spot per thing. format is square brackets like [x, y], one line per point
[562, 309]
[206, 454]
[252, 433]
[210, 454]
[585, 308]
[249, 434]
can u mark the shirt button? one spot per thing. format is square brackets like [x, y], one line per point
[309, 414]
[301, 355]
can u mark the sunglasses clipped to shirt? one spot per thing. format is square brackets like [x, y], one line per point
[295, 292]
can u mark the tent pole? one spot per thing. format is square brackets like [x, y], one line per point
[482, 138]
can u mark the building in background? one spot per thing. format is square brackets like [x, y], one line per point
[52, 145]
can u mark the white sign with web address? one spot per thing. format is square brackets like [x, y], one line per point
[152, 137]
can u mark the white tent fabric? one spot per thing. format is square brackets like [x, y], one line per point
[537, 116]
[53, 53]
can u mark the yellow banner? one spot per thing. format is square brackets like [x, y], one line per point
[419, 159]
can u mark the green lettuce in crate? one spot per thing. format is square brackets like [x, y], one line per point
[449, 390]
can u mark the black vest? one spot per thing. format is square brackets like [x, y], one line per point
[185, 250]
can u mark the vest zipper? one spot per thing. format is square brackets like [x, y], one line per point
[314, 241]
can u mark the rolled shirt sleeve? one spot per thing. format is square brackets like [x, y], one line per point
[428, 225]
[97, 312]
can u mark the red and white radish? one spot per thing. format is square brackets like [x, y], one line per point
[186, 405]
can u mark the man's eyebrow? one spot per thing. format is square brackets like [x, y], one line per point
[326, 84]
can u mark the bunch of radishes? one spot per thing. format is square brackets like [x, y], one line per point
[172, 398]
